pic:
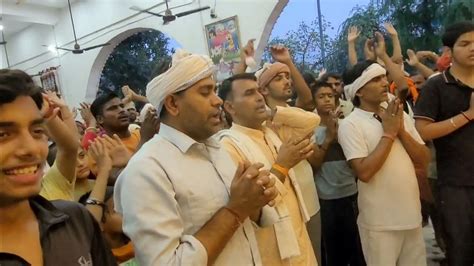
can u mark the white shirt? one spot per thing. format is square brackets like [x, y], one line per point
[170, 188]
[390, 200]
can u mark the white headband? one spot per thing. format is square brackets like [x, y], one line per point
[186, 69]
[369, 73]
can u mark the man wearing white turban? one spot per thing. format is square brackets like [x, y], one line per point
[190, 204]
[387, 154]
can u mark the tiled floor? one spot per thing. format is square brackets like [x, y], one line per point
[433, 253]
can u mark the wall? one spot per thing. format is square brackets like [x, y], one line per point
[112, 21]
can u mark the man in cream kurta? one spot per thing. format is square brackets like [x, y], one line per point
[247, 139]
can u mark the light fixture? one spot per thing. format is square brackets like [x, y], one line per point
[1, 27]
[52, 49]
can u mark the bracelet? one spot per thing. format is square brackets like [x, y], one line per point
[283, 170]
[388, 136]
[467, 117]
[91, 129]
[452, 123]
[91, 201]
[236, 215]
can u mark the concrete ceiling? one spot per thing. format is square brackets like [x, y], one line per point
[17, 15]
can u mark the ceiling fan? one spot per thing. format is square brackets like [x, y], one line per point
[168, 15]
[77, 48]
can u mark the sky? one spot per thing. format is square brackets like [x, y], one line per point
[334, 11]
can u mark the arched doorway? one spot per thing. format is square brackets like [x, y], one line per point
[129, 60]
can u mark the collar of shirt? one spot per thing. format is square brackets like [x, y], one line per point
[248, 131]
[450, 79]
[370, 115]
[183, 141]
[46, 213]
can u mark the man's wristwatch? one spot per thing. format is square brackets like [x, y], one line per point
[91, 201]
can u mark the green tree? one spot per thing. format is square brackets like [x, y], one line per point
[303, 44]
[419, 23]
[132, 62]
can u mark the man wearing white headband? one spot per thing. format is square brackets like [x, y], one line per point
[387, 154]
[183, 200]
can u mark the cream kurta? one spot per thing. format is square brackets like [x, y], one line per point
[266, 237]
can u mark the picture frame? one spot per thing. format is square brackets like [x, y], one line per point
[224, 43]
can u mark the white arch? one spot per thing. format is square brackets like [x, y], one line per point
[104, 53]
[101, 59]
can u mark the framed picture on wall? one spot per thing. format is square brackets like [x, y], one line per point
[223, 42]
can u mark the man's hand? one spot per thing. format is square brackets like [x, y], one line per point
[251, 189]
[294, 151]
[332, 127]
[353, 34]
[392, 117]
[48, 110]
[380, 49]
[281, 54]
[248, 50]
[390, 29]
[117, 151]
[100, 154]
[87, 116]
[412, 58]
[55, 100]
[127, 93]
[423, 55]
[369, 52]
[150, 126]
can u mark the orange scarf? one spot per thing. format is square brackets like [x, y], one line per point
[124, 253]
[411, 88]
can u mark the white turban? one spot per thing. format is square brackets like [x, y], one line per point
[369, 73]
[186, 69]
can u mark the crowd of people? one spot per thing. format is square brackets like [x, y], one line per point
[268, 167]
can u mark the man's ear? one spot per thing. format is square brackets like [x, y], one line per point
[100, 119]
[229, 107]
[264, 91]
[448, 52]
[171, 105]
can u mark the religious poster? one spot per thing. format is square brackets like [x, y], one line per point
[223, 40]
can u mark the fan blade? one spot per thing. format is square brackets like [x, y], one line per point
[145, 11]
[65, 49]
[189, 12]
[95, 46]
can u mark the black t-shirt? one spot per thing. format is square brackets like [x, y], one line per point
[69, 235]
[441, 98]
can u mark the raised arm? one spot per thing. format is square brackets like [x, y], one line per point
[132, 96]
[67, 142]
[397, 48]
[414, 62]
[352, 36]
[100, 154]
[248, 51]
[395, 71]
[304, 98]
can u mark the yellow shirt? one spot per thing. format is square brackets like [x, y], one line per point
[55, 186]
[82, 188]
[266, 237]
